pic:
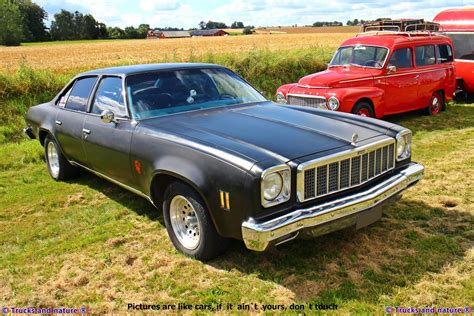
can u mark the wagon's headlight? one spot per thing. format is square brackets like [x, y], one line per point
[333, 103]
[403, 145]
[275, 185]
[280, 98]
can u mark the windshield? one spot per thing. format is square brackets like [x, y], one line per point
[169, 92]
[463, 45]
[360, 55]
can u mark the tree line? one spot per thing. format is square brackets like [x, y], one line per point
[24, 21]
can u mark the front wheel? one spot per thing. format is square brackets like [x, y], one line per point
[58, 166]
[363, 108]
[189, 225]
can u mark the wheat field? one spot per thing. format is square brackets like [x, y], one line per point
[63, 57]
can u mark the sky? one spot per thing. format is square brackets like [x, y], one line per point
[187, 13]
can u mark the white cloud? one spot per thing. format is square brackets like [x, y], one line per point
[159, 5]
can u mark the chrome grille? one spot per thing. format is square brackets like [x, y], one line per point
[345, 170]
[311, 101]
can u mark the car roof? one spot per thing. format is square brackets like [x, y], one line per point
[390, 40]
[144, 68]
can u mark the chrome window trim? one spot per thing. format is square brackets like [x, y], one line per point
[338, 157]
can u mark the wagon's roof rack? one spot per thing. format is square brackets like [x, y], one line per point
[408, 27]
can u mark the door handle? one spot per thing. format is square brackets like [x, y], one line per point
[59, 123]
[86, 131]
[417, 77]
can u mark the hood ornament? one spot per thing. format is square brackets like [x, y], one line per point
[354, 139]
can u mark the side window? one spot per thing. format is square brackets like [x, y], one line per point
[444, 53]
[61, 102]
[425, 55]
[109, 97]
[401, 58]
[80, 93]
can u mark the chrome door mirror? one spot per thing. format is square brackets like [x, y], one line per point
[391, 69]
[108, 117]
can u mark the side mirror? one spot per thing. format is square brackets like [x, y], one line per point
[391, 69]
[108, 117]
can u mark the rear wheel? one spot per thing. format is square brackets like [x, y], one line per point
[363, 108]
[436, 104]
[189, 225]
[58, 166]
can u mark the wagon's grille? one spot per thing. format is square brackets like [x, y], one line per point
[314, 102]
[346, 170]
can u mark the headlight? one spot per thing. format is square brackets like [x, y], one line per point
[280, 98]
[403, 145]
[275, 185]
[333, 103]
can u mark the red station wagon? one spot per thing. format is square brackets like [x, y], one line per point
[381, 73]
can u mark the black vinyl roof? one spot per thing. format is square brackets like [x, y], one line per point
[134, 69]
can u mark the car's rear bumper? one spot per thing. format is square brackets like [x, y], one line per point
[259, 235]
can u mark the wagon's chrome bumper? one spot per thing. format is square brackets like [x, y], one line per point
[258, 235]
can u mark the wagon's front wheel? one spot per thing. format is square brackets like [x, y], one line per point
[189, 225]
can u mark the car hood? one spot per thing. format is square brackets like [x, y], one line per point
[261, 131]
[333, 76]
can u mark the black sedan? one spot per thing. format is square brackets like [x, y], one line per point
[220, 160]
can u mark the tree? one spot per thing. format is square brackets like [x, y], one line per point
[131, 32]
[34, 29]
[247, 31]
[237, 25]
[116, 33]
[63, 26]
[143, 30]
[11, 23]
[202, 25]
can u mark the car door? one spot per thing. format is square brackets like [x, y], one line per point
[70, 117]
[401, 85]
[432, 76]
[107, 145]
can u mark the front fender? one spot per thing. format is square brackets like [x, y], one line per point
[205, 173]
[348, 97]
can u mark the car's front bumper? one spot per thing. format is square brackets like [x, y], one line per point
[259, 235]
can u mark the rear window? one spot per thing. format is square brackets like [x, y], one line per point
[401, 58]
[425, 55]
[444, 53]
[80, 93]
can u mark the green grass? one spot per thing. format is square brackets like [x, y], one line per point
[88, 242]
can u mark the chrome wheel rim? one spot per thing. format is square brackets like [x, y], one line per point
[435, 105]
[53, 159]
[184, 222]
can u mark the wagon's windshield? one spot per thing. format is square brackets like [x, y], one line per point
[360, 55]
[168, 92]
[463, 45]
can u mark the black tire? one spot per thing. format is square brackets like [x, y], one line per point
[65, 169]
[210, 243]
[363, 108]
[431, 110]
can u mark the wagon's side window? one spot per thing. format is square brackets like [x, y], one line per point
[79, 96]
[401, 58]
[109, 97]
[425, 55]
[444, 53]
